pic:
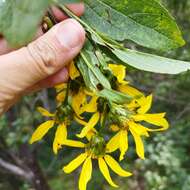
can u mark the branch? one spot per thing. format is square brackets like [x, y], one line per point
[13, 169]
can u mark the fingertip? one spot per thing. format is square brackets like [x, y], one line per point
[76, 8]
[70, 34]
[59, 15]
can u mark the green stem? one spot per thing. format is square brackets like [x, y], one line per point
[103, 123]
[69, 13]
[85, 25]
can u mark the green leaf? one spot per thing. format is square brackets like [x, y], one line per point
[19, 19]
[145, 22]
[90, 80]
[151, 63]
[69, 1]
[89, 67]
[115, 96]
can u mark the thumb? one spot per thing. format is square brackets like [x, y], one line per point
[27, 66]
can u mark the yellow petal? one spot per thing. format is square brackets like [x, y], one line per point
[45, 112]
[80, 121]
[61, 96]
[73, 71]
[105, 172]
[119, 71]
[138, 128]
[154, 119]
[86, 174]
[41, 131]
[145, 104]
[123, 144]
[90, 134]
[75, 163]
[139, 144]
[113, 164]
[113, 143]
[91, 106]
[61, 87]
[126, 89]
[73, 143]
[90, 125]
[60, 137]
[114, 128]
[78, 101]
[132, 105]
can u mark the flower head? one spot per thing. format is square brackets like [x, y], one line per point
[127, 118]
[61, 89]
[95, 149]
[42, 130]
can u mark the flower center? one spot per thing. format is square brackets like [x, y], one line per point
[96, 147]
[120, 116]
[63, 113]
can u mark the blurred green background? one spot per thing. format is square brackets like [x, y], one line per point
[167, 164]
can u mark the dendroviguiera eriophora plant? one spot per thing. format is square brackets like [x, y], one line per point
[98, 85]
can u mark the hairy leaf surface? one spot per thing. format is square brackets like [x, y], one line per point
[147, 23]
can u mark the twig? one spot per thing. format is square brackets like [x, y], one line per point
[13, 169]
[181, 114]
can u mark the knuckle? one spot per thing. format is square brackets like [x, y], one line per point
[44, 56]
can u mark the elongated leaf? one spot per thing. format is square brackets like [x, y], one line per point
[89, 68]
[19, 19]
[90, 80]
[145, 22]
[115, 96]
[151, 63]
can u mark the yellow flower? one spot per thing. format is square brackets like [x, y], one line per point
[61, 92]
[131, 123]
[42, 130]
[82, 104]
[90, 107]
[73, 71]
[56, 119]
[78, 101]
[94, 150]
[62, 88]
[119, 71]
[84, 101]
[90, 125]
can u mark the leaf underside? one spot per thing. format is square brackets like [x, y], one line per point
[151, 63]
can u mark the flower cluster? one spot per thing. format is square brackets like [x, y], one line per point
[75, 101]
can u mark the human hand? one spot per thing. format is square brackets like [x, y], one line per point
[42, 63]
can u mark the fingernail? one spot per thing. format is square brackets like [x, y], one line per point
[70, 34]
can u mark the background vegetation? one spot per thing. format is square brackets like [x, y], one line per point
[26, 167]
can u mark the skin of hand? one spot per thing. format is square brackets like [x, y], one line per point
[43, 62]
